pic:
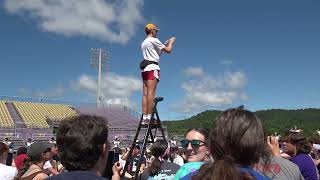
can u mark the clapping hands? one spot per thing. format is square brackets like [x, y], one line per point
[170, 40]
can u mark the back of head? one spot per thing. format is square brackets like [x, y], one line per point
[80, 141]
[22, 150]
[160, 150]
[237, 137]
[3, 150]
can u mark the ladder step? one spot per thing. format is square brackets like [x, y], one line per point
[152, 125]
[158, 99]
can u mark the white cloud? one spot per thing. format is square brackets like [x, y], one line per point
[115, 89]
[194, 71]
[208, 91]
[236, 80]
[57, 92]
[226, 62]
[113, 21]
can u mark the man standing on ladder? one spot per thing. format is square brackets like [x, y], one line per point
[151, 49]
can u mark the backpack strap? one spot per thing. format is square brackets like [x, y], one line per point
[31, 176]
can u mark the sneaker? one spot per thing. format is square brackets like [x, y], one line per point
[147, 121]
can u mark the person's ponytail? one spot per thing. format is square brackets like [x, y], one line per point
[155, 167]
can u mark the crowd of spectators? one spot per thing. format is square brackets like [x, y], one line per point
[236, 147]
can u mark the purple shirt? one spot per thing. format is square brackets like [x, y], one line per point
[306, 166]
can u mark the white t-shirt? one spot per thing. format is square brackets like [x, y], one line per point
[29, 144]
[121, 161]
[47, 165]
[7, 172]
[116, 143]
[151, 50]
[178, 160]
[7, 143]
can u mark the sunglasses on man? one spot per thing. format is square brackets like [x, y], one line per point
[195, 143]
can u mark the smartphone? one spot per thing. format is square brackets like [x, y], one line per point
[112, 158]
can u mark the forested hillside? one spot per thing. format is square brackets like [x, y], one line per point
[275, 120]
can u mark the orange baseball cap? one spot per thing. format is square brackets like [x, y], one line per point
[151, 26]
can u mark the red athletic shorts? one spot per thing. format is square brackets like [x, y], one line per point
[150, 75]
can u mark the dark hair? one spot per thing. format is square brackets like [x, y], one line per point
[203, 131]
[3, 149]
[137, 146]
[236, 137]
[22, 150]
[158, 149]
[80, 140]
[149, 31]
[299, 141]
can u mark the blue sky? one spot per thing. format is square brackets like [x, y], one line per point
[263, 54]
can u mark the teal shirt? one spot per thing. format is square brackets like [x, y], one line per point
[187, 169]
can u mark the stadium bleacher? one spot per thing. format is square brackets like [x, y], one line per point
[116, 116]
[35, 115]
[5, 117]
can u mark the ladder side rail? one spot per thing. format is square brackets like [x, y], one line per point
[145, 139]
[160, 124]
[162, 132]
[125, 169]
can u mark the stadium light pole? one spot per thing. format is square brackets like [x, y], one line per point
[99, 59]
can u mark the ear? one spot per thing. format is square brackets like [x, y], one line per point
[208, 153]
[43, 155]
[154, 32]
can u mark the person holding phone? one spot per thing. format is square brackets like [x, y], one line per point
[274, 166]
[151, 49]
[134, 160]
